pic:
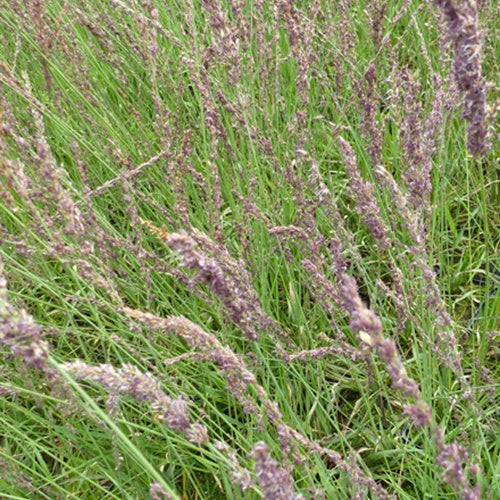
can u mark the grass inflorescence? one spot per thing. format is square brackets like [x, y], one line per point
[248, 249]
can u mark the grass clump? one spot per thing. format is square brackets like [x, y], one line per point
[248, 249]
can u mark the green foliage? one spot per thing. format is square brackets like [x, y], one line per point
[219, 122]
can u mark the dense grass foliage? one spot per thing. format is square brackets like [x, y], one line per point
[248, 249]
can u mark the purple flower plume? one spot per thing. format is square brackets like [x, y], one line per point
[452, 458]
[141, 386]
[19, 332]
[364, 193]
[463, 32]
[226, 277]
[275, 481]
